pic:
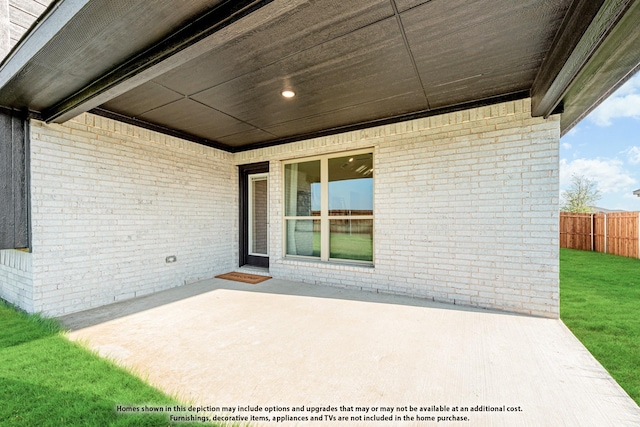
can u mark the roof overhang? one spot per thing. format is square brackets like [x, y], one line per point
[213, 71]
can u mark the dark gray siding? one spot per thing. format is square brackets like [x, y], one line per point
[14, 182]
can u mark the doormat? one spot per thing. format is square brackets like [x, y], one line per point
[243, 277]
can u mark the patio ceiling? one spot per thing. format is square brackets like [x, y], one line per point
[213, 71]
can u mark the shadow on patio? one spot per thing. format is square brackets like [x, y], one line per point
[128, 307]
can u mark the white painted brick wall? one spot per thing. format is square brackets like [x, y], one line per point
[110, 201]
[16, 279]
[22, 14]
[466, 209]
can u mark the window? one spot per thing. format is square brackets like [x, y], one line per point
[328, 210]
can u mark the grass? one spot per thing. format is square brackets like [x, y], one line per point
[347, 246]
[600, 303]
[46, 380]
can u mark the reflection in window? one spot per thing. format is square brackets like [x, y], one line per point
[351, 185]
[302, 189]
[343, 227]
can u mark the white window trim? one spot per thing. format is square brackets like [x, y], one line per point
[325, 246]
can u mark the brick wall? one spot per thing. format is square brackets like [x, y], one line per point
[16, 279]
[466, 209]
[111, 201]
[16, 17]
[22, 14]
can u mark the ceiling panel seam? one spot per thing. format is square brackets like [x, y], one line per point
[385, 121]
[162, 105]
[284, 58]
[233, 117]
[179, 40]
[408, 47]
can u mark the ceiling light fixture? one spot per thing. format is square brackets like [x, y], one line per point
[288, 93]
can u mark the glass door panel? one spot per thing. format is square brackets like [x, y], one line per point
[258, 215]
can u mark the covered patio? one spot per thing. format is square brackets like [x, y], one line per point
[134, 136]
[284, 344]
[137, 137]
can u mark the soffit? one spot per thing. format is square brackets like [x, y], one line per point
[213, 71]
[101, 35]
[351, 62]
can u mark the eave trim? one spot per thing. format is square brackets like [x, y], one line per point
[566, 61]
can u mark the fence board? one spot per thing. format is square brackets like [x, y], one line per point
[599, 233]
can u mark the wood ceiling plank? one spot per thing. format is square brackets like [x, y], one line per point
[310, 24]
[194, 118]
[246, 138]
[512, 78]
[155, 57]
[97, 45]
[141, 99]
[487, 42]
[370, 111]
[363, 66]
[574, 48]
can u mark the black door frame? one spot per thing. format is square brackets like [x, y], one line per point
[244, 172]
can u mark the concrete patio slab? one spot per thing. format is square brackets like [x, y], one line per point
[265, 350]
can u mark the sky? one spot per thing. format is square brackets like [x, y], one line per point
[605, 147]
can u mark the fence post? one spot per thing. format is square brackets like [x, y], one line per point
[606, 237]
[592, 234]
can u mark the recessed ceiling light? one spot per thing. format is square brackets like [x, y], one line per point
[288, 93]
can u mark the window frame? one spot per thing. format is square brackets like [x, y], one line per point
[325, 218]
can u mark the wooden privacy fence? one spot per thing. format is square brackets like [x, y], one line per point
[612, 233]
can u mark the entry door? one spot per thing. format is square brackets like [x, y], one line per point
[254, 200]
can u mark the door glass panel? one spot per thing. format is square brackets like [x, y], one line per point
[351, 185]
[259, 216]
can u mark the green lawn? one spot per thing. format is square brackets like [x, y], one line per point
[347, 246]
[600, 303]
[45, 380]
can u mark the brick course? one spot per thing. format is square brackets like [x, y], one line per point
[16, 278]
